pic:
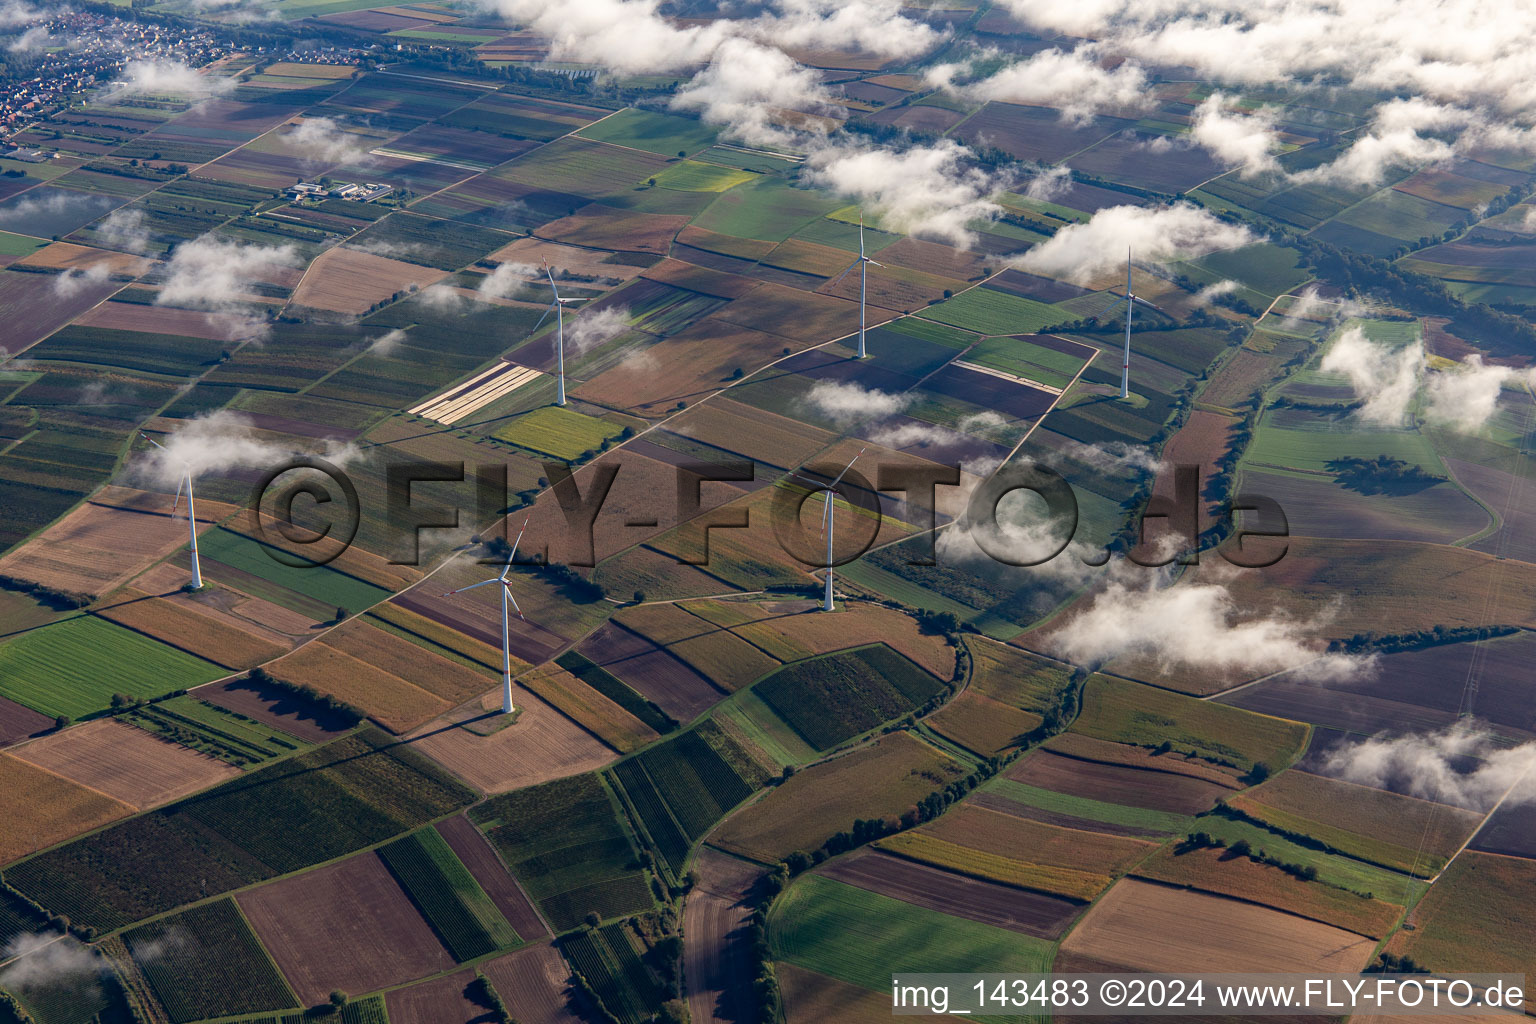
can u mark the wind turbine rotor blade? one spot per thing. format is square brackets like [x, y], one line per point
[513, 553]
[873, 263]
[151, 440]
[547, 309]
[507, 587]
[847, 468]
[177, 503]
[846, 269]
[472, 586]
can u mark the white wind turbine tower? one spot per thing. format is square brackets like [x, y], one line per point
[826, 520]
[1130, 300]
[863, 263]
[558, 306]
[506, 620]
[186, 483]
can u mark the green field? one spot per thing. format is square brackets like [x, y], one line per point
[73, 667]
[562, 433]
[767, 209]
[213, 730]
[863, 938]
[1127, 712]
[692, 176]
[206, 962]
[1088, 809]
[320, 584]
[662, 134]
[1264, 271]
[451, 900]
[1025, 359]
[1345, 872]
[566, 844]
[988, 311]
[835, 697]
[19, 245]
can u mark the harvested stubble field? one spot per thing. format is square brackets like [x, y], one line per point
[126, 763]
[975, 899]
[713, 651]
[395, 703]
[42, 808]
[1051, 879]
[883, 779]
[790, 636]
[1231, 936]
[756, 434]
[1217, 871]
[350, 281]
[541, 745]
[375, 937]
[96, 548]
[181, 621]
[1086, 748]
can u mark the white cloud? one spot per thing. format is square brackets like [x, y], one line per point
[1384, 379]
[166, 77]
[1072, 80]
[18, 12]
[321, 142]
[1049, 184]
[869, 26]
[219, 442]
[74, 280]
[1467, 397]
[1427, 765]
[1245, 141]
[747, 87]
[846, 404]
[926, 190]
[386, 343]
[1193, 626]
[506, 279]
[44, 959]
[593, 327]
[124, 229]
[1211, 292]
[34, 38]
[1081, 252]
[214, 273]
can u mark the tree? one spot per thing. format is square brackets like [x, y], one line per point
[62, 722]
[639, 597]
[592, 920]
[341, 613]
[338, 999]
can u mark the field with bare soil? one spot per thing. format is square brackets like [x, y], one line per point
[125, 762]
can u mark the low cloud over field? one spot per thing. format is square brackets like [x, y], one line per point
[321, 142]
[1386, 380]
[218, 275]
[1193, 626]
[1426, 765]
[1081, 252]
[167, 77]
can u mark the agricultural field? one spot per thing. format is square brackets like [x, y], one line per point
[337, 802]
[459, 911]
[1231, 936]
[45, 808]
[377, 937]
[206, 962]
[340, 797]
[833, 698]
[567, 845]
[883, 779]
[74, 666]
[125, 763]
[861, 937]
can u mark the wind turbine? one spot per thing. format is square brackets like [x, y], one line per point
[826, 520]
[186, 482]
[506, 620]
[558, 305]
[863, 263]
[1130, 300]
